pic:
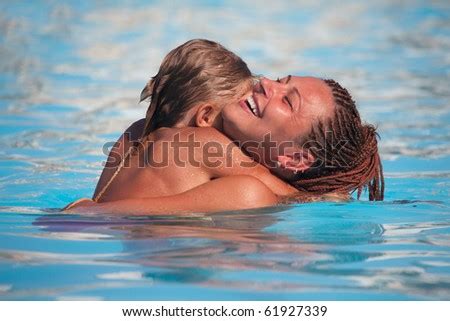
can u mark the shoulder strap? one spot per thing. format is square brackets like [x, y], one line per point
[119, 168]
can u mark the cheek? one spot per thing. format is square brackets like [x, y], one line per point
[276, 123]
[229, 116]
[277, 115]
[230, 121]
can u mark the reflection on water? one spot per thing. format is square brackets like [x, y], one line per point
[282, 251]
[70, 76]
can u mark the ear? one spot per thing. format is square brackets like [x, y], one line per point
[296, 161]
[206, 115]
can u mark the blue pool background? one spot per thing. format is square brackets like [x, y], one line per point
[70, 77]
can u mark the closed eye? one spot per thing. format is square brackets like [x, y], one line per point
[287, 100]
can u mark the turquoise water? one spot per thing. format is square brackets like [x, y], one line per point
[70, 76]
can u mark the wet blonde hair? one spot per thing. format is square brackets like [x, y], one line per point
[197, 71]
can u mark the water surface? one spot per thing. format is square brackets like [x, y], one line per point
[70, 77]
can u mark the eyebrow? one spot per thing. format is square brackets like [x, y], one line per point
[294, 88]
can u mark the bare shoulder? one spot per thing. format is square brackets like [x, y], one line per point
[214, 137]
[201, 134]
[219, 146]
[205, 139]
[134, 131]
[116, 154]
[212, 134]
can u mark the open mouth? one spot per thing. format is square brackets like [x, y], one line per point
[251, 105]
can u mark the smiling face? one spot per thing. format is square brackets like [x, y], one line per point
[286, 108]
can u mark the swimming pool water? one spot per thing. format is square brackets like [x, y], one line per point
[70, 77]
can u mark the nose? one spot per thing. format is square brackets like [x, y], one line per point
[267, 85]
[265, 81]
[271, 87]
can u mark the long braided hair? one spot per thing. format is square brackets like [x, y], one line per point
[346, 153]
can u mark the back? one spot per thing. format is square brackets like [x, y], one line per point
[167, 164]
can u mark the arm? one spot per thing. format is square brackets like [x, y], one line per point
[222, 194]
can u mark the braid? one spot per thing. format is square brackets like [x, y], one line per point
[356, 165]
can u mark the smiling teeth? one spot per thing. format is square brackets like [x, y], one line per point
[253, 106]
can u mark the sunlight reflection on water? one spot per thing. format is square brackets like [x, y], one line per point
[70, 77]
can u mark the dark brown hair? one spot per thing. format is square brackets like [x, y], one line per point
[195, 72]
[346, 152]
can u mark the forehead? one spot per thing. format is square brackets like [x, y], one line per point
[317, 96]
[316, 103]
[311, 85]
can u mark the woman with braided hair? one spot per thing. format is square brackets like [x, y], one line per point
[318, 142]
[305, 130]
